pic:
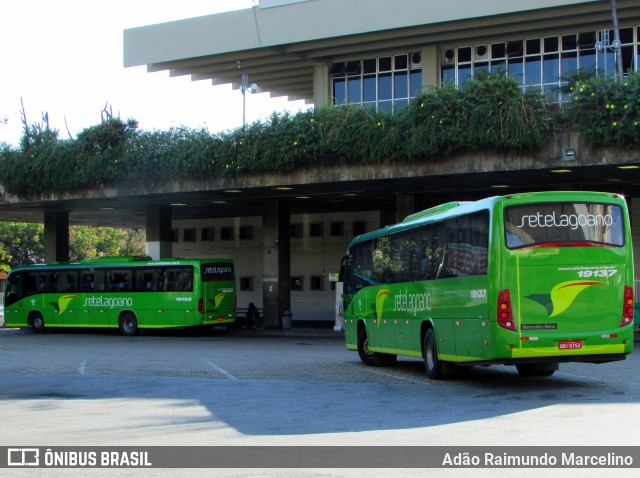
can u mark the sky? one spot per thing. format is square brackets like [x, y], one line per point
[65, 58]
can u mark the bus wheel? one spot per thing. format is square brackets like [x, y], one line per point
[368, 357]
[128, 324]
[432, 363]
[37, 323]
[537, 369]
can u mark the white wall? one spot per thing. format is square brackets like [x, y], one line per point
[310, 256]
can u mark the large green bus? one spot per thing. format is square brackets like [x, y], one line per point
[530, 280]
[124, 292]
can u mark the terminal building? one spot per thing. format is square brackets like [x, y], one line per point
[287, 232]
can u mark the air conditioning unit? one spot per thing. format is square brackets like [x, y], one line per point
[481, 52]
[416, 60]
[448, 57]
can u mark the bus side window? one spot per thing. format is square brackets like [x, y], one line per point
[31, 284]
[99, 280]
[178, 279]
[147, 280]
[53, 282]
[168, 280]
[185, 282]
[71, 278]
[88, 282]
[43, 280]
[119, 280]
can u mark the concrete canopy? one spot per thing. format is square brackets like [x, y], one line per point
[469, 176]
[279, 46]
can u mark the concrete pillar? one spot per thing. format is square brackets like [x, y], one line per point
[276, 253]
[430, 66]
[56, 236]
[405, 205]
[321, 84]
[159, 235]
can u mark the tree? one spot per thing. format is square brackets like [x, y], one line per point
[25, 242]
[86, 241]
[4, 261]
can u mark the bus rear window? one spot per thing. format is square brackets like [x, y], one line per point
[533, 225]
[216, 272]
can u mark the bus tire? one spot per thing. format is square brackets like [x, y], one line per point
[537, 369]
[373, 359]
[128, 324]
[36, 322]
[432, 363]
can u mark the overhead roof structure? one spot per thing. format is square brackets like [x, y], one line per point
[346, 188]
[278, 42]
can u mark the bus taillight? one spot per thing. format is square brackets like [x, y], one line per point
[201, 306]
[627, 309]
[505, 314]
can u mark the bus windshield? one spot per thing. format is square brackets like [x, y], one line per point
[540, 224]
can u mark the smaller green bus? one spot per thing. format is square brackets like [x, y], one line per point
[129, 293]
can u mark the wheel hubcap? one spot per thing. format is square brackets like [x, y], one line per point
[430, 361]
[365, 346]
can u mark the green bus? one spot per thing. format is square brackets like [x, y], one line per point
[124, 292]
[530, 280]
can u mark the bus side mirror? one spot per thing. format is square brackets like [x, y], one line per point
[343, 267]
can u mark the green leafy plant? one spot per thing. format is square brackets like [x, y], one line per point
[606, 112]
[490, 113]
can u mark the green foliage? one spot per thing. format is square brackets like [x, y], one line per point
[490, 113]
[606, 112]
[24, 242]
[86, 241]
[4, 260]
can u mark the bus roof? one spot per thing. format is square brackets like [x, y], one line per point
[120, 261]
[458, 208]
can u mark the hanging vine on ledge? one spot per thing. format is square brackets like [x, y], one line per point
[490, 113]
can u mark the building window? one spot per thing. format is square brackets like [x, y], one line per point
[246, 283]
[175, 234]
[206, 235]
[296, 283]
[189, 234]
[385, 84]
[246, 233]
[337, 229]
[316, 283]
[359, 227]
[226, 233]
[296, 230]
[542, 63]
[316, 229]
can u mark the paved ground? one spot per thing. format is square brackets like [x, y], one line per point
[184, 389]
